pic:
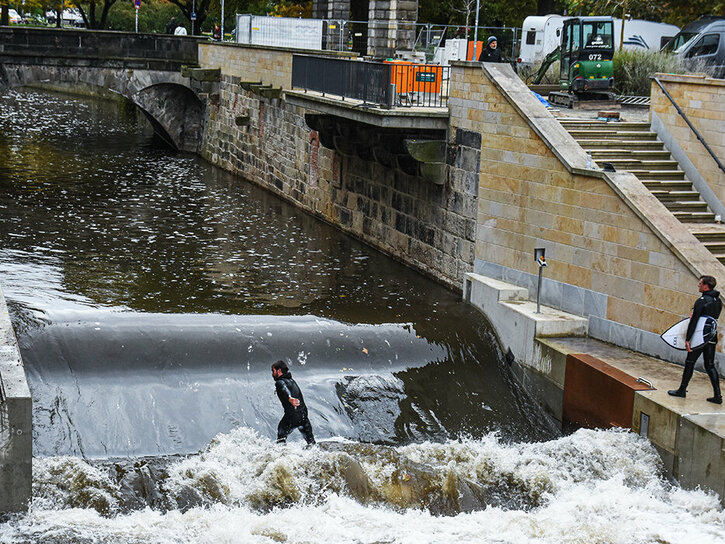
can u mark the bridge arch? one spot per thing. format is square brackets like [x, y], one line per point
[165, 98]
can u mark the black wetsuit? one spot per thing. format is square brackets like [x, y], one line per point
[293, 417]
[708, 304]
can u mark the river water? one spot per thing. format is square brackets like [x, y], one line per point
[151, 292]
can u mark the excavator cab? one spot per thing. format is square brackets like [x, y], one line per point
[587, 48]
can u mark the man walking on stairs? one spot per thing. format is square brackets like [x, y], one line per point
[709, 304]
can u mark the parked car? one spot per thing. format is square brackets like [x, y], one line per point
[15, 18]
[701, 45]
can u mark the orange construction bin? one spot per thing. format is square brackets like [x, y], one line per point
[401, 75]
[420, 78]
[427, 78]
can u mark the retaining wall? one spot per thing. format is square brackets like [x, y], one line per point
[615, 254]
[702, 99]
[16, 427]
[430, 227]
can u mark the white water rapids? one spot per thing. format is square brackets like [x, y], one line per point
[589, 487]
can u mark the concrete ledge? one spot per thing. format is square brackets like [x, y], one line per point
[688, 433]
[16, 427]
[514, 318]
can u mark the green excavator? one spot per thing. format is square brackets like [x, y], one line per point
[585, 56]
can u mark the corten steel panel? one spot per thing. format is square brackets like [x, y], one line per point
[598, 395]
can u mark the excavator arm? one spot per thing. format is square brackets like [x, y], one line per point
[550, 59]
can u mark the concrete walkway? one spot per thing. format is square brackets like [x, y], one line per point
[689, 433]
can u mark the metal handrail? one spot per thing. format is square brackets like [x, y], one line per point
[682, 113]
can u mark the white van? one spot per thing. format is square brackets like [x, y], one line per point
[541, 34]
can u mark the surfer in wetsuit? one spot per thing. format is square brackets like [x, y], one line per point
[295, 410]
[710, 304]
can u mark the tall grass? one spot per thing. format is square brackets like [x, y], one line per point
[633, 70]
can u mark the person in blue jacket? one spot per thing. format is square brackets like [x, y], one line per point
[295, 410]
[709, 304]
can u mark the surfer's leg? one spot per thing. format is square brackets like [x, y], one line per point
[687, 373]
[306, 430]
[712, 374]
[284, 428]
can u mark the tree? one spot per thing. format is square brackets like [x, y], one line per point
[200, 7]
[89, 13]
[287, 8]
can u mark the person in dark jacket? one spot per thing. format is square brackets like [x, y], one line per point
[216, 34]
[491, 53]
[171, 26]
[709, 304]
[295, 410]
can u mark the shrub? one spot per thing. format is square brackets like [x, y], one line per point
[633, 70]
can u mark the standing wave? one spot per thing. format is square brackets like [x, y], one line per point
[592, 486]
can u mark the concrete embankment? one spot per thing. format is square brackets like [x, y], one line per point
[586, 382]
[621, 268]
[16, 426]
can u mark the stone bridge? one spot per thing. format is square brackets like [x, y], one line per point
[144, 68]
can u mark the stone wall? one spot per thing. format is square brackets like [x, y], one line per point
[614, 253]
[16, 423]
[702, 99]
[427, 226]
[249, 62]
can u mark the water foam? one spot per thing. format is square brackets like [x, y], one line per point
[592, 486]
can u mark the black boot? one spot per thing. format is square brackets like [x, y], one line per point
[715, 381]
[686, 376]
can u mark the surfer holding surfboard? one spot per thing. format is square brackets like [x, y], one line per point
[708, 305]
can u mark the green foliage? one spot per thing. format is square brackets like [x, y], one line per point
[633, 70]
[152, 16]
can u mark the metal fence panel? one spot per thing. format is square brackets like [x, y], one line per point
[279, 31]
[388, 84]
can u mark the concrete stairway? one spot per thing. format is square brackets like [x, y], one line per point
[633, 147]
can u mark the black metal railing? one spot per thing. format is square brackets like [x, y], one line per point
[386, 84]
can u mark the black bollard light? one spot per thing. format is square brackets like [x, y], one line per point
[539, 257]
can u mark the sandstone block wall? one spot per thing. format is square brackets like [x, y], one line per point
[614, 253]
[703, 101]
[430, 227]
[249, 63]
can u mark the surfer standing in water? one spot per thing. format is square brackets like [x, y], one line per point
[295, 410]
[709, 304]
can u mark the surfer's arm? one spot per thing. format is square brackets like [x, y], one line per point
[696, 313]
[282, 387]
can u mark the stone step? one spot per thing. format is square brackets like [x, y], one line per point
[695, 217]
[687, 206]
[591, 144]
[675, 196]
[646, 154]
[717, 248]
[613, 135]
[630, 165]
[658, 175]
[574, 124]
[668, 185]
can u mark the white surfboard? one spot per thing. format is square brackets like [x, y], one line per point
[705, 330]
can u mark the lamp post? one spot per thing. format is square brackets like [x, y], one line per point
[222, 20]
[193, 15]
[475, 35]
[539, 257]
